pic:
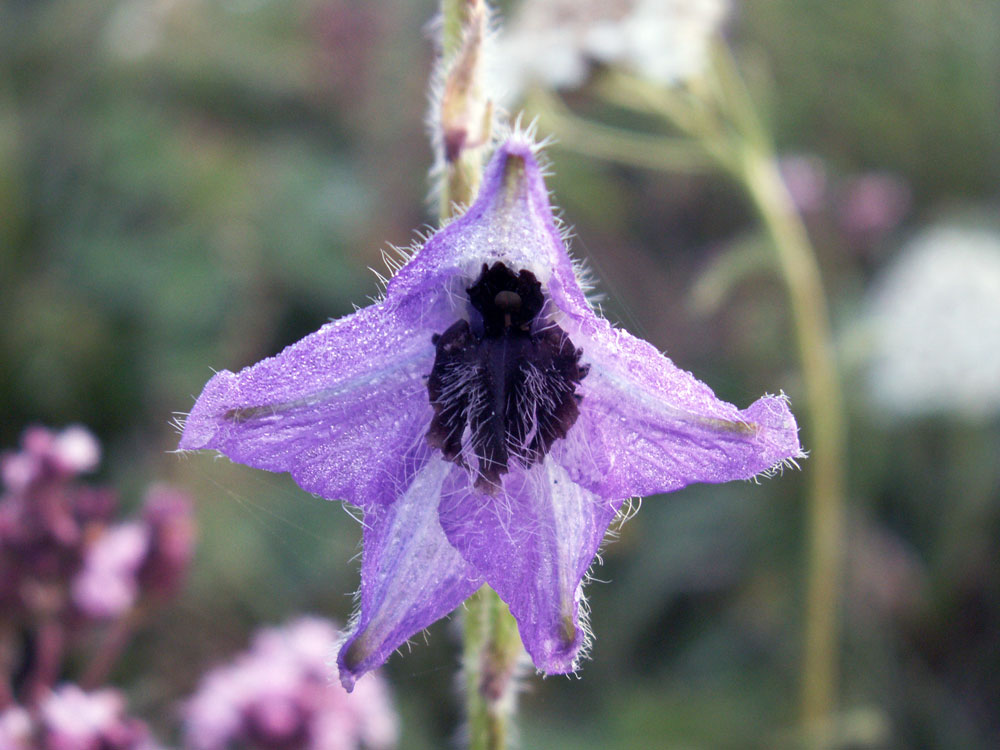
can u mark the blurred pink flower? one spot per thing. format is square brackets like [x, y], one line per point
[279, 694]
[108, 585]
[806, 179]
[71, 719]
[15, 729]
[72, 451]
[873, 204]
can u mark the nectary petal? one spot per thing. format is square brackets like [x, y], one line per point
[341, 410]
[647, 426]
[410, 575]
[533, 542]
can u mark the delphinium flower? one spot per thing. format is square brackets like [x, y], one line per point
[488, 423]
[554, 42]
[934, 316]
[279, 695]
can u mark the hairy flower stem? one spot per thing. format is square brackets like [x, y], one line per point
[464, 113]
[492, 647]
[492, 653]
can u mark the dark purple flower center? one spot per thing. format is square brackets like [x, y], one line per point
[503, 383]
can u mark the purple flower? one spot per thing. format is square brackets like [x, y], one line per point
[278, 695]
[488, 423]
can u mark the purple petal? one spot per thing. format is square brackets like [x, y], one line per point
[647, 426]
[410, 575]
[511, 221]
[341, 409]
[533, 542]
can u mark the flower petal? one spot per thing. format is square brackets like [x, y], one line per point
[511, 222]
[647, 426]
[341, 409]
[410, 574]
[533, 542]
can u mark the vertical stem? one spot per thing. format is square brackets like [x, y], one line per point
[6, 665]
[464, 111]
[114, 643]
[491, 656]
[824, 402]
[492, 648]
[50, 641]
[453, 15]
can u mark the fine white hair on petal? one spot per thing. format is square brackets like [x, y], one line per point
[934, 320]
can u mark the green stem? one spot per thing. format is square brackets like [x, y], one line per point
[757, 168]
[492, 647]
[597, 140]
[725, 122]
[492, 653]
[824, 404]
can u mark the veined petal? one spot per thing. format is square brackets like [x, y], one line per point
[410, 575]
[341, 409]
[647, 426]
[533, 542]
[510, 222]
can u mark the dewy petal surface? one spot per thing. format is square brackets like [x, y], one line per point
[646, 426]
[510, 222]
[341, 409]
[533, 541]
[410, 575]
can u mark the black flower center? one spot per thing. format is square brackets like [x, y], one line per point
[503, 384]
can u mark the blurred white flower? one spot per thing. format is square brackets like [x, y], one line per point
[75, 450]
[553, 42]
[935, 318]
[136, 28]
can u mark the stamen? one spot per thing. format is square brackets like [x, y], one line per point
[503, 385]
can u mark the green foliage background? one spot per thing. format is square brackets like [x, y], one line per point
[192, 184]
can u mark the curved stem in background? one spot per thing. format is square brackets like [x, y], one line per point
[7, 661]
[757, 169]
[726, 125]
[50, 643]
[825, 466]
[601, 141]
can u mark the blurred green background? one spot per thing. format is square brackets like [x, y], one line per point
[190, 184]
